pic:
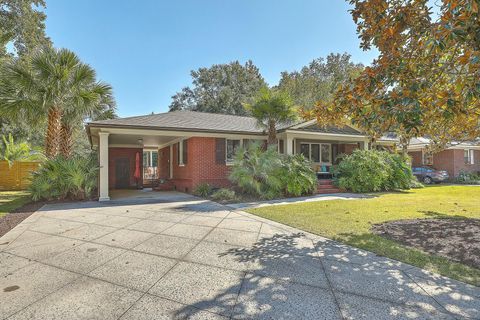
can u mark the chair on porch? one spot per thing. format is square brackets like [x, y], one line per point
[323, 172]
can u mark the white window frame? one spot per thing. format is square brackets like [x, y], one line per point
[180, 153]
[423, 159]
[470, 155]
[227, 161]
[320, 154]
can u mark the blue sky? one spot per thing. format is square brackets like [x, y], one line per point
[146, 49]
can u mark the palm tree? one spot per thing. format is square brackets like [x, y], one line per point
[270, 108]
[12, 151]
[96, 103]
[53, 85]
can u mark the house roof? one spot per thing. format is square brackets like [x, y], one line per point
[331, 129]
[421, 142]
[186, 120]
[215, 122]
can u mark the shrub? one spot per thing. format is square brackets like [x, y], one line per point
[373, 170]
[59, 178]
[468, 178]
[224, 195]
[258, 172]
[297, 176]
[268, 174]
[12, 151]
[203, 190]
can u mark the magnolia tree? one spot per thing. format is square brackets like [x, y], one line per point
[426, 79]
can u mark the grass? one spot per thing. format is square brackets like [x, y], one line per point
[349, 221]
[11, 200]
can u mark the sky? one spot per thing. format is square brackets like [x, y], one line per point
[146, 49]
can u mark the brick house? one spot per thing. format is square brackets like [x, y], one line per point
[184, 148]
[462, 157]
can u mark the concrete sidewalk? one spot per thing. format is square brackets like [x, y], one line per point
[195, 259]
[314, 198]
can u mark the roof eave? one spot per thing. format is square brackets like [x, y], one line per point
[197, 130]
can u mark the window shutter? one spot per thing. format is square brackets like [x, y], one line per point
[220, 151]
[185, 151]
[280, 146]
[178, 153]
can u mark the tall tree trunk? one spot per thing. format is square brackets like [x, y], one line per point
[66, 143]
[52, 138]
[272, 133]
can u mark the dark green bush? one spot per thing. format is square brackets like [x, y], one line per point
[373, 170]
[59, 178]
[203, 190]
[224, 195]
[297, 175]
[468, 178]
[258, 172]
[267, 174]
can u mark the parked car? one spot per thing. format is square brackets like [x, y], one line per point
[429, 175]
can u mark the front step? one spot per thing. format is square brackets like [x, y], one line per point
[166, 186]
[325, 186]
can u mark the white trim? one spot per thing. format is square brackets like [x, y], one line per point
[461, 146]
[333, 136]
[303, 124]
[470, 155]
[423, 159]
[171, 133]
[103, 163]
[180, 153]
[170, 143]
[319, 152]
[230, 162]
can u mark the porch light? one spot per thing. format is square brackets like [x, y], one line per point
[140, 141]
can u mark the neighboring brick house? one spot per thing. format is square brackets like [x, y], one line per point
[463, 157]
[185, 148]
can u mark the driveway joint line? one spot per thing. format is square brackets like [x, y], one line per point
[421, 287]
[177, 262]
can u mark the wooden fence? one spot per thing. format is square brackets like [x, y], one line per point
[17, 176]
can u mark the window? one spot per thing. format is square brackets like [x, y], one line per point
[150, 165]
[232, 147]
[182, 152]
[326, 154]
[317, 152]
[427, 158]
[247, 142]
[468, 156]
[305, 150]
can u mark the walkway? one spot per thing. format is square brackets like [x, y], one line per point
[187, 258]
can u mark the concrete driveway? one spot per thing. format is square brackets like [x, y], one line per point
[186, 258]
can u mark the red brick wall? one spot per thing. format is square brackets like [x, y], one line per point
[349, 148]
[200, 167]
[116, 153]
[163, 159]
[459, 162]
[416, 158]
[444, 160]
[450, 160]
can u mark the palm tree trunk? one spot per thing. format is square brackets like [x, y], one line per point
[272, 132]
[66, 143]
[52, 138]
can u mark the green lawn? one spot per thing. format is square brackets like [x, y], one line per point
[349, 221]
[11, 200]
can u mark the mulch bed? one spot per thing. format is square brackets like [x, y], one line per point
[10, 220]
[455, 239]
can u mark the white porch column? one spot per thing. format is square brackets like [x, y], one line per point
[365, 145]
[289, 145]
[103, 157]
